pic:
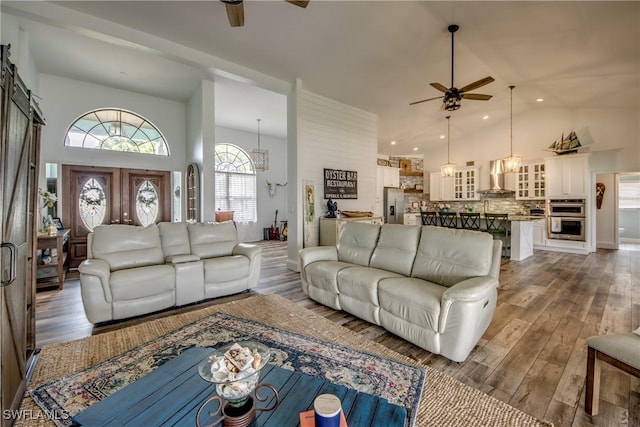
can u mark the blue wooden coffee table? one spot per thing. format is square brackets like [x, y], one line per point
[172, 394]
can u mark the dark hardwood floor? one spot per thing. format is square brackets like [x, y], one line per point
[533, 356]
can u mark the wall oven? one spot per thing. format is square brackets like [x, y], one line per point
[566, 219]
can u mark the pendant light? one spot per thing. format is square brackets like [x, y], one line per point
[260, 158]
[448, 169]
[512, 163]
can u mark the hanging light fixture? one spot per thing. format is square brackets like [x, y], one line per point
[260, 158]
[448, 169]
[512, 163]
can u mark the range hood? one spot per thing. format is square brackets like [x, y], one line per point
[496, 181]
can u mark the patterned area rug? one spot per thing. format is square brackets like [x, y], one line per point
[399, 383]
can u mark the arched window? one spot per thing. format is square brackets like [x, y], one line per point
[235, 183]
[118, 130]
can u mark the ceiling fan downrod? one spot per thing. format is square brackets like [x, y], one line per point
[452, 29]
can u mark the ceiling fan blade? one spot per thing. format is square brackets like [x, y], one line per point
[301, 3]
[425, 100]
[476, 96]
[477, 84]
[235, 13]
[440, 87]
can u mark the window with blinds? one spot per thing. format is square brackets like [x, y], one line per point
[235, 180]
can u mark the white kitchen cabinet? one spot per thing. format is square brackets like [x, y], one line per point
[412, 219]
[539, 233]
[530, 181]
[567, 176]
[462, 186]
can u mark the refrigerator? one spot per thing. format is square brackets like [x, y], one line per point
[393, 205]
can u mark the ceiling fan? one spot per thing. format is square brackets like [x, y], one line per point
[452, 96]
[235, 10]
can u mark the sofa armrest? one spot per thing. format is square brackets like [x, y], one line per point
[316, 253]
[180, 259]
[98, 268]
[254, 253]
[250, 251]
[469, 291]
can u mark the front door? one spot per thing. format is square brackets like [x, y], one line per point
[103, 195]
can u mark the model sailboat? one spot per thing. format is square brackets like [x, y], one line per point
[566, 145]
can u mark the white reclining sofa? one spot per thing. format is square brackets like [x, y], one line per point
[131, 270]
[433, 286]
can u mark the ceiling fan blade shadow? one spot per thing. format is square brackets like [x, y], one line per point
[440, 87]
[300, 3]
[477, 96]
[235, 13]
[477, 84]
[425, 100]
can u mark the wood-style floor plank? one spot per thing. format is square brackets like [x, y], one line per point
[532, 356]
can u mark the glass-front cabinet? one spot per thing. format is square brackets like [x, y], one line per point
[531, 181]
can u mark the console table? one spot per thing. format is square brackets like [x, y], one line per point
[330, 227]
[55, 271]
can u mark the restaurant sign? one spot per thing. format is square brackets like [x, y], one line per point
[339, 184]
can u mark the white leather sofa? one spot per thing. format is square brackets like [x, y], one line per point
[130, 270]
[433, 286]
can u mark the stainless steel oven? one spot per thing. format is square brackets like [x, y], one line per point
[566, 207]
[566, 219]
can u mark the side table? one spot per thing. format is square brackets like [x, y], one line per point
[55, 271]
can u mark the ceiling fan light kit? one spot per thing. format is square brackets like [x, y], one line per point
[452, 95]
[511, 163]
[447, 170]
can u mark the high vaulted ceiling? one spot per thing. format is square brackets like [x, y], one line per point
[374, 55]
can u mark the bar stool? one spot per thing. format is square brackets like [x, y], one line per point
[470, 220]
[449, 219]
[429, 218]
[498, 227]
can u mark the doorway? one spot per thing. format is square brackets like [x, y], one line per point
[103, 195]
[629, 211]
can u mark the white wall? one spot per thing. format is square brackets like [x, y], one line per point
[336, 136]
[13, 34]
[277, 172]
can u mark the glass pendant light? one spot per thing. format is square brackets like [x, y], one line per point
[512, 163]
[448, 169]
[260, 158]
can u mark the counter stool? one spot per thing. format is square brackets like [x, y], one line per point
[429, 218]
[470, 220]
[621, 351]
[449, 219]
[498, 227]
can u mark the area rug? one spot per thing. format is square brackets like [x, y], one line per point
[444, 400]
[399, 383]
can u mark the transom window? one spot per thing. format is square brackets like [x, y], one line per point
[235, 182]
[118, 130]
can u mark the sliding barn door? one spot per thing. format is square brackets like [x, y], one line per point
[103, 195]
[18, 161]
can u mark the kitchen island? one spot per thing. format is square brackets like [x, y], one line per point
[521, 236]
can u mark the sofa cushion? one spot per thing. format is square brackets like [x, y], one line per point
[361, 283]
[212, 240]
[175, 238]
[324, 274]
[142, 282]
[396, 248]
[224, 269]
[414, 300]
[446, 256]
[356, 242]
[126, 246]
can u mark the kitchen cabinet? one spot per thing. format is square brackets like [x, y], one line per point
[567, 176]
[539, 233]
[530, 181]
[462, 186]
[412, 219]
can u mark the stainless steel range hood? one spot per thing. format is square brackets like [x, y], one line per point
[496, 181]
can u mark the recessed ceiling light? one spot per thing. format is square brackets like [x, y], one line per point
[441, 136]
[485, 117]
[415, 148]
[539, 99]
[393, 143]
